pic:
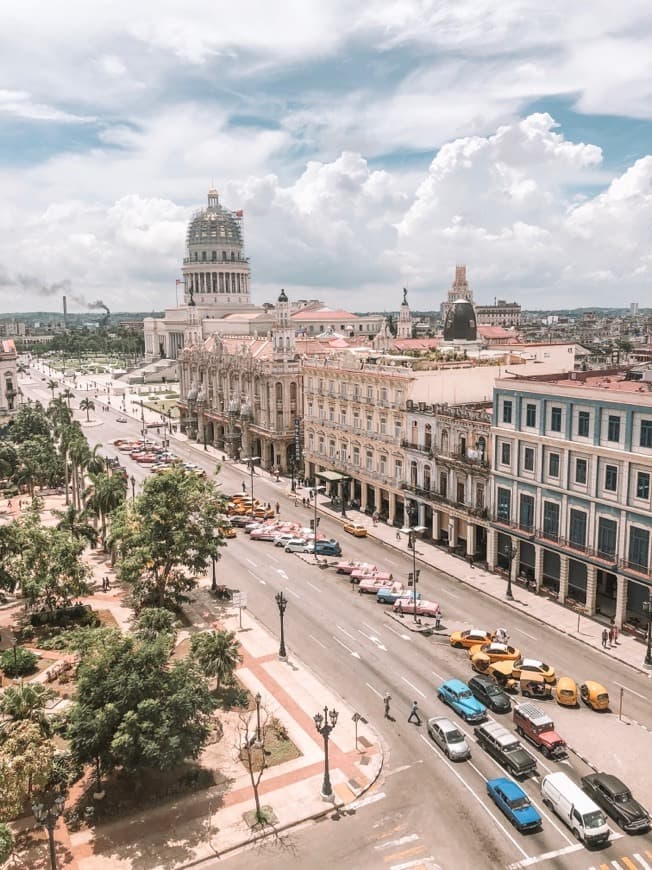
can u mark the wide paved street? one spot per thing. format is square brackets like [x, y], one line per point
[425, 811]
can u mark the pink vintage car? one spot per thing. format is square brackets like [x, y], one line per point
[359, 574]
[423, 607]
[346, 566]
[373, 582]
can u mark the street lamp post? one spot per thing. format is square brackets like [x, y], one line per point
[214, 578]
[412, 532]
[315, 490]
[258, 699]
[132, 480]
[293, 487]
[647, 605]
[511, 553]
[344, 493]
[251, 460]
[281, 603]
[46, 813]
[324, 723]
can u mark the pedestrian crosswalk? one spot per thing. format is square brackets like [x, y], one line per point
[399, 849]
[641, 860]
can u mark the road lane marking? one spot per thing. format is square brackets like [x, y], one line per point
[419, 862]
[375, 691]
[373, 640]
[406, 853]
[347, 648]
[627, 689]
[401, 769]
[282, 573]
[641, 860]
[318, 588]
[450, 594]
[412, 686]
[520, 631]
[389, 562]
[292, 592]
[546, 856]
[344, 631]
[439, 676]
[312, 637]
[629, 864]
[398, 633]
[408, 838]
[251, 562]
[487, 810]
[273, 557]
[254, 575]
[371, 799]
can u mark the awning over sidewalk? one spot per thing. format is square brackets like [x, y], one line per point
[331, 476]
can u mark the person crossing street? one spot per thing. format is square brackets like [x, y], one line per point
[386, 701]
[414, 713]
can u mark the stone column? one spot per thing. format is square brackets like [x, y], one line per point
[470, 539]
[515, 544]
[378, 498]
[392, 507]
[538, 565]
[452, 532]
[363, 496]
[591, 589]
[563, 579]
[621, 600]
[436, 527]
[422, 514]
[492, 548]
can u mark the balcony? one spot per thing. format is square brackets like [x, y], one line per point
[418, 448]
[457, 457]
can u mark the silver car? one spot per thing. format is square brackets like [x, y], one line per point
[449, 738]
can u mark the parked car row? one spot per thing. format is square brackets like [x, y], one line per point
[155, 457]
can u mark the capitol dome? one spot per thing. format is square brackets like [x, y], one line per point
[214, 224]
[460, 323]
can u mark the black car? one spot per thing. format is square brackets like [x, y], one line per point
[490, 693]
[616, 800]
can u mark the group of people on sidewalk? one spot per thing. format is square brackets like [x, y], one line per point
[610, 636]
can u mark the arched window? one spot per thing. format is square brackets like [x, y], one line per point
[279, 392]
[481, 445]
[414, 439]
[413, 474]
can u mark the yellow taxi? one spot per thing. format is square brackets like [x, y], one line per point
[594, 695]
[534, 666]
[566, 692]
[228, 531]
[355, 529]
[470, 637]
[497, 652]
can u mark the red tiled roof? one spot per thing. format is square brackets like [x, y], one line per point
[416, 343]
[494, 331]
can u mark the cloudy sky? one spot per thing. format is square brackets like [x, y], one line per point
[372, 146]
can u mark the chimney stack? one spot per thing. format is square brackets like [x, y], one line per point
[65, 311]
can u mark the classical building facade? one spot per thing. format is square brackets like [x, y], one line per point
[8, 377]
[447, 473]
[572, 472]
[500, 314]
[459, 290]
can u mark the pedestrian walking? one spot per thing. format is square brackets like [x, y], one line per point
[278, 508]
[103, 583]
[398, 534]
[244, 486]
[611, 635]
[386, 701]
[615, 633]
[605, 637]
[414, 713]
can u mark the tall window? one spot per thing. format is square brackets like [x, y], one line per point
[646, 433]
[555, 419]
[528, 459]
[577, 528]
[643, 485]
[639, 547]
[611, 478]
[613, 428]
[607, 534]
[461, 492]
[530, 415]
[356, 456]
[507, 411]
[398, 470]
[383, 464]
[505, 453]
[526, 512]
[583, 424]
[370, 461]
[504, 506]
[443, 484]
[553, 465]
[580, 470]
[551, 520]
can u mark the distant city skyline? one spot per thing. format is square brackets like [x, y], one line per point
[370, 150]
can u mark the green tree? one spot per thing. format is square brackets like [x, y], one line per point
[52, 385]
[6, 843]
[26, 763]
[155, 624]
[87, 405]
[166, 538]
[76, 523]
[68, 394]
[104, 496]
[136, 710]
[27, 701]
[217, 653]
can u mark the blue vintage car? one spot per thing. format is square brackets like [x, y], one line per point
[457, 695]
[390, 594]
[512, 800]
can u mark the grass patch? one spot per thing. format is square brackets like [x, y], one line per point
[278, 748]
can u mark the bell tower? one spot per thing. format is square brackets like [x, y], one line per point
[404, 326]
[283, 333]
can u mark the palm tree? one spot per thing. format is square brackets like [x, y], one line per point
[76, 522]
[95, 462]
[217, 653]
[87, 405]
[68, 395]
[106, 493]
[52, 385]
[27, 701]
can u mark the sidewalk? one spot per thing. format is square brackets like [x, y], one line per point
[583, 628]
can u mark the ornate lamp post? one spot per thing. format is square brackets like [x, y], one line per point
[214, 578]
[412, 532]
[258, 699]
[251, 462]
[324, 723]
[316, 489]
[281, 603]
[132, 480]
[46, 812]
[511, 553]
[647, 606]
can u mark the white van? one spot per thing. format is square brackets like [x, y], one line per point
[575, 808]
